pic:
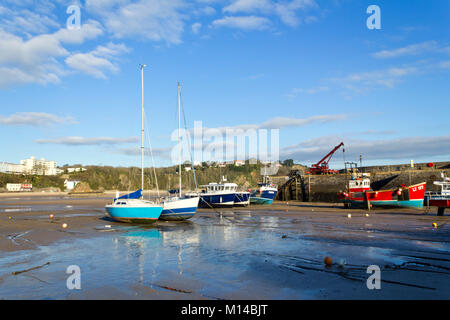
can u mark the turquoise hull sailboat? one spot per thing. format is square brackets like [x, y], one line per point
[131, 207]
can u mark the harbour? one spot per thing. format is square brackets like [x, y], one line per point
[259, 252]
[230, 158]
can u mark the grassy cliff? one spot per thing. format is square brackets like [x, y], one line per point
[120, 178]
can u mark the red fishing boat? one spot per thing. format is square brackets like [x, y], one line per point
[360, 195]
[440, 199]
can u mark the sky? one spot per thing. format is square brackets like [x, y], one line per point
[311, 69]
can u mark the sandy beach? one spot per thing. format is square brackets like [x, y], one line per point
[257, 252]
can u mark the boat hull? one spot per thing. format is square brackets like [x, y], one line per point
[224, 200]
[418, 204]
[134, 214]
[260, 200]
[408, 197]
[179, 209]
[263, 197]
[241, 199]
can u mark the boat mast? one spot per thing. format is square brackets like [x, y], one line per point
[142, 128]
[179, 138]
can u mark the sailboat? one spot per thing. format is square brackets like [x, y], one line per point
[132, 207]
[179, 207]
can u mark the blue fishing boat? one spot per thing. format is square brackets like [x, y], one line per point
[131, 207]
[216, 195]
[265, 194]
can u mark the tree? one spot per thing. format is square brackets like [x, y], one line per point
[288, 163]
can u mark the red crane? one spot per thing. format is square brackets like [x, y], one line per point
[321, 167]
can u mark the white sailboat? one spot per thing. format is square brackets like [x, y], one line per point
[132, 207]
[179, 207]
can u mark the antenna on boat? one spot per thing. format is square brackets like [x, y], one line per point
[179, 138]
[142, 66]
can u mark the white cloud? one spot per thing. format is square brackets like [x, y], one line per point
[207, 11]
[244, 22]
[196, 27]
[89, 30]
[364, 81]
[282, 122]
[162, 153]
[296, 91]
[278, 123]
[285, 10]
[26, 22]
[156, 20]
[413, 49]
[98, 61]
[34, 119]
[401, 148]
[248, 6]
[81, 141]
[36, 60]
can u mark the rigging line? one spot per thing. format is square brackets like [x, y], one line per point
[189, 142]
[151, 154]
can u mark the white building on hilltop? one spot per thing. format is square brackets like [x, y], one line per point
[72, 170]
[40, 167]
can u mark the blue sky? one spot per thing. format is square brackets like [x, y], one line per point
[310, 68]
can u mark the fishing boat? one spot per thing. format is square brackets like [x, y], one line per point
[215, 195]
[265, 193]
[132, 207]
[440, 199]
[360, 195]
[179, 208]
[356, 187]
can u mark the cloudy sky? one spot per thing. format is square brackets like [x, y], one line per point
[310, 68]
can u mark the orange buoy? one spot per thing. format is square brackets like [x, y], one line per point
[328, 262]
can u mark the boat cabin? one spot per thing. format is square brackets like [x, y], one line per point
[359, 185]
[445, 186]
[220, 188]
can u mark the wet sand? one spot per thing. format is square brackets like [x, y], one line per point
[257, 252]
